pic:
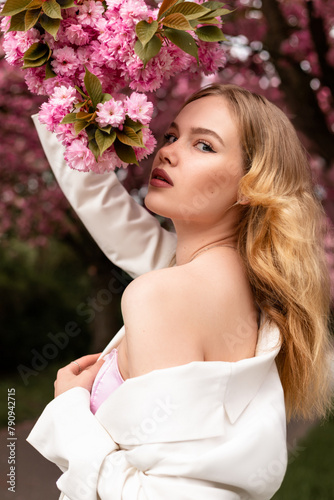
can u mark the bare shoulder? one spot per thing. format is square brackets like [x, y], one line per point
[158, 327]
[195, 312]
[155, 286]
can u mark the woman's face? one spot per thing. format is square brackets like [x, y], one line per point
[202, 161]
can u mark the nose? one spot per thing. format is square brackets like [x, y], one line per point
[167, 154]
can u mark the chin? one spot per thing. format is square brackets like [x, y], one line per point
[153, 203]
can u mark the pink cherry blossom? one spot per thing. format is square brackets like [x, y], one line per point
[138, 108]
[51, 115]
[77, 35]
[64, 96]
[15, 44]
[34, 78]
[102, 41]
[79, 157]
[150, 143]
[110, 113]
[5, 23]
[114, 5]
[108, 162]
[90, 12]
[133, 11]
[65, 133]
[65, 61]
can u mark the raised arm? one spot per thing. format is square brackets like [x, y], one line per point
[129, 236]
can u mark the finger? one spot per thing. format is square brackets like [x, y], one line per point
[84, 362]
[88, 376]
[93, 370]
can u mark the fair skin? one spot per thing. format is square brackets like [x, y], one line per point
[202, 309]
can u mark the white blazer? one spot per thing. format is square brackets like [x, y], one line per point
[208, 430]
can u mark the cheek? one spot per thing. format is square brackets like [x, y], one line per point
[221, 184]
[207, 197]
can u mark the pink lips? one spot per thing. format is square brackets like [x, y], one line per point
[160, 178]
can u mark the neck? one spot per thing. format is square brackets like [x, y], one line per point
[192, 238]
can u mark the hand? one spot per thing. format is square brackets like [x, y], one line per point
[72, 376]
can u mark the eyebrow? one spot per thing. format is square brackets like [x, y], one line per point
[201, 130]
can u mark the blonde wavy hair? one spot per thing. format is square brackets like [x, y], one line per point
[280, 242]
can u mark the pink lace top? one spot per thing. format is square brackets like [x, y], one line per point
[106, 381]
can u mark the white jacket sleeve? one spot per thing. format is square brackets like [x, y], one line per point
[69, 435]
[129, 236]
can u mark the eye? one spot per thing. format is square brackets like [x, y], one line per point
[169, 138]
[205, 147]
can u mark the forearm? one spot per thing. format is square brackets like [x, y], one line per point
[70, 436]
[125, 231]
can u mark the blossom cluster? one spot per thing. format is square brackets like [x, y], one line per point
[113, 112]
[100, 37]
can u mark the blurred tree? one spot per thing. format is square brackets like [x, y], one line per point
[33, 208]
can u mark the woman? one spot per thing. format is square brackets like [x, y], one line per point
[201, 412]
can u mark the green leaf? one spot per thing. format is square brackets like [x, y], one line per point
[106, 129]
[49, 73]
[128, 136]
[50, 25]
[90, 131]
[205, 20]
[136, 126]
[35, 4]
[210, 34]
[81, 92]
[222, 12]
[218, 13]
[28, 63]
[183, 40]
[37, 55]
[79, 105]
[83, 115]
[17, 22]
[145, 31]
[13, 7]
[190, 10]
[150, 50]
[80, 125]
[66, 4]
[36, 51]
[69, 118]
[93, 87]
[216, 9]
[166, 4]
[35, 64]
[31, 18]
[94, 148]
[213, 5]
[106, 97]
[104, 141]
[141, 137]
[177, 21]
[125, 153]
[52, 9]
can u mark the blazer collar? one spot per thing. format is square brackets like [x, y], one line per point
[248, 375]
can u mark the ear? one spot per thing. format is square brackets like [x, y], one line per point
[243, 200]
